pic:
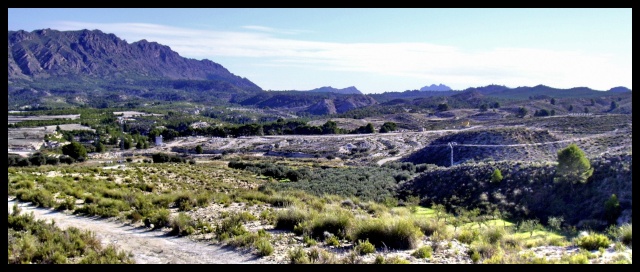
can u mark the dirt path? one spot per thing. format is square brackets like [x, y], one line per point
[148, 247]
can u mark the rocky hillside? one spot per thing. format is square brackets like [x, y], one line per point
[92, 53]
[90, 66]
[528, 190]
[315, 103]
[490, 144]
[340, 105]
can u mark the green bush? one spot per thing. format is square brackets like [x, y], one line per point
[159, 219]
[625, 234]
[109, 255]
[429, 226]
[396, 260]
[494, 234]
[308, 240]
[394, 234]
[43, 198]
[332, 241]
[496, 177]
[185, 201]
[298, 256]
[593, 241]
[320, 256]
[578, 258]
[233, 225]
[69, 203]
[474, 255]
[288, 219]
[182, 225]
[335, 222]
[37, 242]
[612, 209]
[423, 252]
[364, 247]
[467, 236]
[244, 240]
[264, 247]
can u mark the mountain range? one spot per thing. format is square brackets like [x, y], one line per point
[51, 68]
[329, 89]
[66, 68]
[434, 87]
[47, 53]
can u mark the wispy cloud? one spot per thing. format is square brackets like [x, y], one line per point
[508, 66]
[274, 30]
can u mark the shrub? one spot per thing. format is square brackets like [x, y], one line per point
[320, 256]
[364, 247]
[109, 255]
[467, 236]
[308, 240]
[264, 247]
[625, 234]
[396, 260]
[593, 241]
[496, 176]
[182, 225]
[268, 216]
[395, 234]
[298, 256]
[429, 226]
[244, 240]
[288, 219]
[282, 201]
[332, 241]
[158, 218]
[578, 258]
[555, 223]
[612, 209]
[334, 222]
[231, 226]
[69, 203]
[494, 234]
[423, 252]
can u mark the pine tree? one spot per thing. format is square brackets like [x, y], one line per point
[573, 165]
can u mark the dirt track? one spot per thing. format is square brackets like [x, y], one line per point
[148, 247]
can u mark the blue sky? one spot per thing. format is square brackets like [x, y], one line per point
[377, 49]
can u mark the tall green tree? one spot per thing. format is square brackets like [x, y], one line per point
[522, 112]
[614, 105]
[99, 147]
[388, 127]
[74, 150]
[573, 165]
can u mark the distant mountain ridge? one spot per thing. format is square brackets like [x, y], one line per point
[93, 54]
[620, 89]
[329, 89]
[434, 87]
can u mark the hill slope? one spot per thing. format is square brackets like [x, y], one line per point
[77, 67]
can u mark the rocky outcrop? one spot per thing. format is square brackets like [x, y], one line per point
[89, 54]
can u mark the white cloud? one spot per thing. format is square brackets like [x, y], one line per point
[412, 61]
